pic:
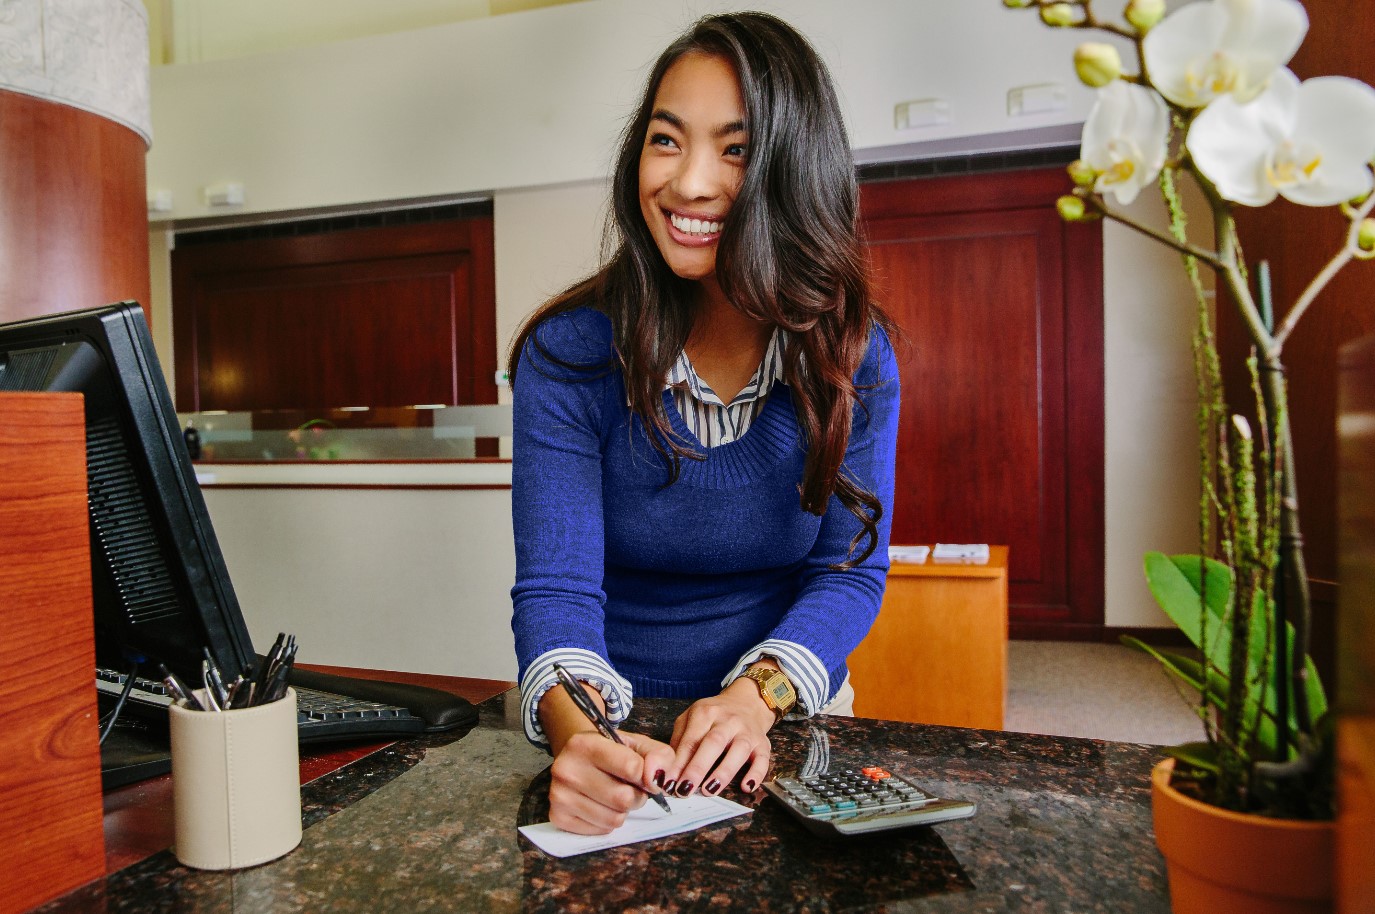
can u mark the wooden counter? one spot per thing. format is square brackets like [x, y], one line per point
[938, 652]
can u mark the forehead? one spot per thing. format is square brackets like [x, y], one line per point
[701, 88]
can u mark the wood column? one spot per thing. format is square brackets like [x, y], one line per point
[73, 209]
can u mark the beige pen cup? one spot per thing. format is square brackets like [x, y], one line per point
[236, 784]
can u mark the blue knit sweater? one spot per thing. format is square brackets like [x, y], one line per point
[673, 583]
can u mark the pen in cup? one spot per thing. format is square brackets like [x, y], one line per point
[589, 709]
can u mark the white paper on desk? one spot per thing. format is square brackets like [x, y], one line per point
[649, 821]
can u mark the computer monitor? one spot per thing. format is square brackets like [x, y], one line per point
[159, 583]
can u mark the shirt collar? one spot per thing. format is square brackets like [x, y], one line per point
[770, 370]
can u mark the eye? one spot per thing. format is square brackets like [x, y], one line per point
[737, 150]
[662, 139]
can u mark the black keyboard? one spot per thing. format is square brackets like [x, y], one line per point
[320, 716]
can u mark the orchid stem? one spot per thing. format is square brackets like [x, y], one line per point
[1183, 247]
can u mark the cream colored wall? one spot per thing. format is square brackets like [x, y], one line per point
[546, 238]
[397, 129]
[536, 99]
[411, 580]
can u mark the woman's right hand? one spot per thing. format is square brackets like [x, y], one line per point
[596, 782]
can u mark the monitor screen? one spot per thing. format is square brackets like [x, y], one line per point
[159, 584]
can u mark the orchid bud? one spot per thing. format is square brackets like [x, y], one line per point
[1017, 4]
[1058, 14]
[1097, 64]
[1144, 14]
[1365, 235]
[1070, 208]
[1082, 173]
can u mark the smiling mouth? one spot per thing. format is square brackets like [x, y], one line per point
[696, 227]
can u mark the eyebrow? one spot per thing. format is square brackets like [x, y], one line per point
[726, 129]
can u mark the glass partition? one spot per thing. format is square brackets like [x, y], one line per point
[351, 433]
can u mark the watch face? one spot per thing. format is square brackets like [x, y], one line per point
[780, 691]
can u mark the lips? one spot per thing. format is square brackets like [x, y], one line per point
[693, 231]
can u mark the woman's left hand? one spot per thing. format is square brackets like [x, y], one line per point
[732, 727]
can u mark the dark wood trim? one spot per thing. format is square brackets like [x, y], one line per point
[474, 690]
[1085, 396]
[1033, 189]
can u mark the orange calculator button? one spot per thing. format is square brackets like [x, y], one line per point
[874, 773]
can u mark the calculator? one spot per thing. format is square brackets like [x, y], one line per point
[855, 801]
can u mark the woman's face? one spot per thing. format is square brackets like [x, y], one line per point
[693, 161]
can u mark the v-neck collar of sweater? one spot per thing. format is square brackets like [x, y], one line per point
[773, 436]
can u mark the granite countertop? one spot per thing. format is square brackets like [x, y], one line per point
[1063, 825]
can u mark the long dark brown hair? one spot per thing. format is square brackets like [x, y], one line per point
[789, 254]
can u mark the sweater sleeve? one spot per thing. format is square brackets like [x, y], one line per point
[556, 492]
[834, 609]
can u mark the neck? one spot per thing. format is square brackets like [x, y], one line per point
[725, 345]
[719, 325]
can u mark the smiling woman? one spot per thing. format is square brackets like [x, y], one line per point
[704, 434]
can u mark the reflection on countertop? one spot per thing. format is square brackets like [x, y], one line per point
[1063, 825]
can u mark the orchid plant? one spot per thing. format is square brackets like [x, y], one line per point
[1212, 99]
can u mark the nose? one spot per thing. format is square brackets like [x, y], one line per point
[699, 175]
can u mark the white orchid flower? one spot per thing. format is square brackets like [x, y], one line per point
[1309, 143]
[1125, 139]
[1213, 48]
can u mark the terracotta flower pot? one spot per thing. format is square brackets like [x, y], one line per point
[1221, 862]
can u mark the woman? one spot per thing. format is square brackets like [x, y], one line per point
[704, 434]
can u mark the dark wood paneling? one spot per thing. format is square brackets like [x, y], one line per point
[1297, 241]
[73, 209]
[377, 317]
[1001, 433]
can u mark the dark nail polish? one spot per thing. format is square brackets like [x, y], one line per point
[668, 786]
[684, 788]
[659, 778]
[748, 786]
[712, 786]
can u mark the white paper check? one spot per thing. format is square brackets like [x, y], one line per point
[649, 821]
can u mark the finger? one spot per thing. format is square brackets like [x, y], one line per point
[574, 812]
[600, 770]
[735, 758]
[659, 761]
[758, 770]
[705, 756]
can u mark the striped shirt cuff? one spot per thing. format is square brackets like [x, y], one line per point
[583, 665]
[804, 668]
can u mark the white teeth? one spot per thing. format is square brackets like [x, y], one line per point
[694, 226]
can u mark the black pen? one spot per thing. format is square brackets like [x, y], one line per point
[588, 707]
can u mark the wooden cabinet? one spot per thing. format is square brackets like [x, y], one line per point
[938, 652]
[1000, 307]
[50, 803]
[394, 315]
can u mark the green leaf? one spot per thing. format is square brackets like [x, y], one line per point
[1200, 755]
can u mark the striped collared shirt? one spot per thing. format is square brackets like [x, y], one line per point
[714, 423]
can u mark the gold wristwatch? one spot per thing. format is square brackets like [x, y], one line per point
[775, 688]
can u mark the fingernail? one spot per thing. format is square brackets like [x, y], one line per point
[668, 786]
[749, 786]
[684, 788]
[659, 777]
[712, 786]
